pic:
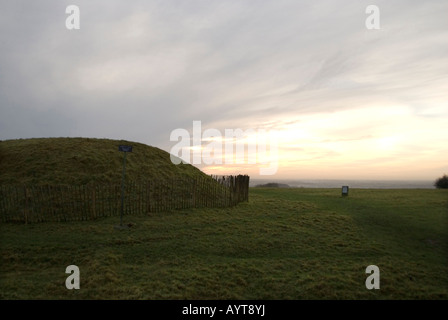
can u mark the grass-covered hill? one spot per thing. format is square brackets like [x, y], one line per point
[79, 161]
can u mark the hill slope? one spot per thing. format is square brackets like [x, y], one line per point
[84, 160]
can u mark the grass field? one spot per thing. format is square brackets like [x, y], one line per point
[282, 244]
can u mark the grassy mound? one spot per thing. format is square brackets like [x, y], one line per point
[78, 161]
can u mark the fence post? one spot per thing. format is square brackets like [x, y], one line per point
[93, 213]
[149, 196]
[25, 209]
[194, 192]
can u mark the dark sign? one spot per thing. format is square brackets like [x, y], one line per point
[125, 148]
[345, 190]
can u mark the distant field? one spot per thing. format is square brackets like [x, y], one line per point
[282, 244]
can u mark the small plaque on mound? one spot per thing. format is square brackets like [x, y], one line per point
[125, 148]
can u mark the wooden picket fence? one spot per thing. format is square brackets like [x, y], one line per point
[86, 202]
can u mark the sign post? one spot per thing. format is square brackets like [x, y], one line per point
[124, 149]
[345, 191]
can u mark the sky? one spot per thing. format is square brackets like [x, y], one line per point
[308, 81]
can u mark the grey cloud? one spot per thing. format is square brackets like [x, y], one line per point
[206, 60]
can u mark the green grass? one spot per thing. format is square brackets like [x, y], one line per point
[282, 244]
[79, 161]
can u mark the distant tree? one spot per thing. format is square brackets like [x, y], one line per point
[273, 185]
[442, 183]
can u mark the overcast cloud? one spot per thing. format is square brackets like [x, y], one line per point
[137, 70]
